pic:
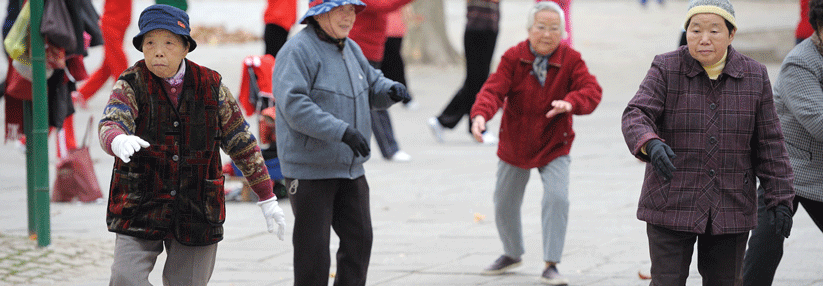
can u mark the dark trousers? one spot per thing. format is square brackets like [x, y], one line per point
[719, 257]
[479, 48]
[766, 246]
[274, 37]
[393, 66]
[319, 205]
[382, 129]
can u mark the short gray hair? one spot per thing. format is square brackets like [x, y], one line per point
[546, 5]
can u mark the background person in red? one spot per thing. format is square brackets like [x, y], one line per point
[540, 83]
[113, 23]
[369, 32]
[279, 16]
[804, 29]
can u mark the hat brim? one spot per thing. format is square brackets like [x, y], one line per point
[327, 6]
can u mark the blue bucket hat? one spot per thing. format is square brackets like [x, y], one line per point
[161, 16]
[317, 7]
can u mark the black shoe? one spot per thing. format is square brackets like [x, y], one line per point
[501, 265]
[552, 277]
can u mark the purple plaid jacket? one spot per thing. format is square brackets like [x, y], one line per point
[725, 134]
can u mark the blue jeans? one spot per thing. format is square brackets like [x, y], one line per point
[766, 246]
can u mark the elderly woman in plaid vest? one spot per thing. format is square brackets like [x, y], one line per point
[166, 121]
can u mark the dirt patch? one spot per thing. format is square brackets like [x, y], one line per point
[217, 35]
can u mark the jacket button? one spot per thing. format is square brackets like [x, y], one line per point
[713, 106]
[712, 140]
[711, 172]
[175, 158]
[176, 124]
[173, 193]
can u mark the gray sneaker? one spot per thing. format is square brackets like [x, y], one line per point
[552, 277]
[501, 265]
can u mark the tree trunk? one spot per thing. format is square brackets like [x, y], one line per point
[426, 40]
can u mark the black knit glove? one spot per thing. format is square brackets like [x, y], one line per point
[397, 92]
[660, 155]
[356, 142]
[782, 219]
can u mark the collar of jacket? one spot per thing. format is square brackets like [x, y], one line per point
[527, 57]
[325, 37]
[734, 63]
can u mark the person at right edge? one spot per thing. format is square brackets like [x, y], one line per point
[540, 84]
[324, 88]
[798, 98]
[704, 119]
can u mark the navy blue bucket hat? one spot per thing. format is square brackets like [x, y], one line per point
[161, 16]
[317, 7]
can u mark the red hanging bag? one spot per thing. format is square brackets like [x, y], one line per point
[75, 175]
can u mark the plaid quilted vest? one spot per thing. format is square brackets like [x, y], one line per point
[175, 186]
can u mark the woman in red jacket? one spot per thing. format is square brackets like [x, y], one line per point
[540, 83]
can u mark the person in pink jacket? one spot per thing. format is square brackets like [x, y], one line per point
[540, 83]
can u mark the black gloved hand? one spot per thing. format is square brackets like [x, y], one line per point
[782, 219]
[356, 142]
[660, 155]
[397, 92]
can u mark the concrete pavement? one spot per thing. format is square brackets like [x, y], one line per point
[433, 217]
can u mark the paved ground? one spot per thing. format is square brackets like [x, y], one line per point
[433, 217]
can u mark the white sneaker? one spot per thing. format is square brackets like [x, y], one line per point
[437, 129]
[400, 156]
[411, 105]
[489, 138]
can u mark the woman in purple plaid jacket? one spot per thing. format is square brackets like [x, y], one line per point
[705, 119]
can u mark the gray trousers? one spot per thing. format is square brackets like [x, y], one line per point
[134, 259]
[508, 198]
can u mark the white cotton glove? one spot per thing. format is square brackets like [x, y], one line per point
[273, 213]
[123, 146]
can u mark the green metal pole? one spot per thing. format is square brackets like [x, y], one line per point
[27, 122]
[41, 126]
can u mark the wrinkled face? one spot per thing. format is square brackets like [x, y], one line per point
[708, 38]
[337, 22]
[163, 52]
[545, 34]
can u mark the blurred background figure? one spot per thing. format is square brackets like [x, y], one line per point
[279, 17]
[643, 3]
[804, 28]
[798, 99]
[393, 66]
[479, 40]
[113, 24]
[369, 32]
[179, 4]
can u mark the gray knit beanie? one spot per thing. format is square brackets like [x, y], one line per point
[722, 8]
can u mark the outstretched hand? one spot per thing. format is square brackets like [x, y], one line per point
[123, 146]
